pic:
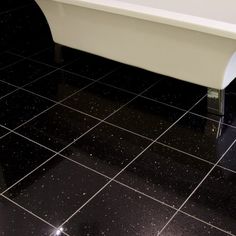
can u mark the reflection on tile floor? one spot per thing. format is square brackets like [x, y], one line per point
[80, 153]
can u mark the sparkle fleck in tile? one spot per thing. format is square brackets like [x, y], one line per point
[204, 138]
[146, 117]
[106, 149]
[58, 85]
[119, 211]
[215, 200]
[98, 100]
[184, 225]
[18, 157]
[16, 221]
[20, 107]
[165, 174]
[56, 190]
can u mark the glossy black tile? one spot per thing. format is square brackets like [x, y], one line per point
[18, 157]
[176, 93]
[20, 107]
[18, 27]
[2, 131]
[132, 79]
[119, 211]
[56, 190]
[57, 127]
[58, 85]
[165, 174]
[7, 59]
[29, 47]
[92, 66]
[5, 89]
[106, 149]
[68, 54]
[201, 137]
[229, 160]
[98, 100]
[230, 110]
[15, 221]
[215, 200]
[146, 117]
[183, 225]
[24, 72]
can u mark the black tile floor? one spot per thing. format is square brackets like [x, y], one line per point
[93, 147]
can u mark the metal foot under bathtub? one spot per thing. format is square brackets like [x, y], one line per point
[216, 101]
[58, 57]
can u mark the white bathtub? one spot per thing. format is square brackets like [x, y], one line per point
[191, 40]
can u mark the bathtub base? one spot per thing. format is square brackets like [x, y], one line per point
[216, 101]
[58, 56]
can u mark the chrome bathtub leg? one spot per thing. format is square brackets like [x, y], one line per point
[216, 101]
[58, 57]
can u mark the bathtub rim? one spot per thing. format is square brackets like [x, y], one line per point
[201, 24]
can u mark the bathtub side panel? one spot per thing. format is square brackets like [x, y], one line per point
[184, 54]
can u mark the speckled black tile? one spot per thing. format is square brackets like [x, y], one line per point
[132, 79]
[201, 137]
[24, 72]
[16, 221]
[47, 56]
[229, 160]
[58, 85]
[119, 211]
[106, 149]
[165, 174]
[2, 131]
[5, 89]
[56, 190]
[183, 225]
[176, 93]
[230, 110]
[18, 157]
[215, 200]
[7, 59]
[231, 88]
[146, 117]
[98, 100]
[20, 107]
[92, 66]
[57, 127]
[12, 4]
[29, 47]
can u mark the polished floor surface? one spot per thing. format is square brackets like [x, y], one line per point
[93, 147]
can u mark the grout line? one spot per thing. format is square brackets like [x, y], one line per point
[212, 119]
[186, 153]
[16, 9]
[128, 163]
[12, 64]
[206, 223]
[142, 96]
[55, 152]
[28, 174]
[31, 213]
[196, 188]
